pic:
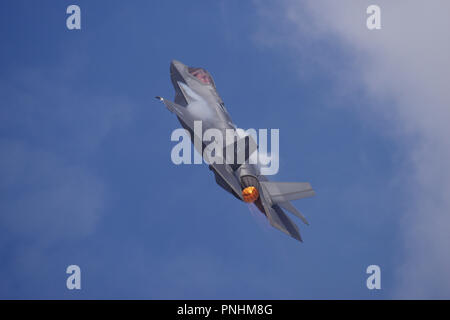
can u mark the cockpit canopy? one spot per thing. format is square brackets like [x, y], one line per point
[202, 75]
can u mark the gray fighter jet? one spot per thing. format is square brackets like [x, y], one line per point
[196, 99]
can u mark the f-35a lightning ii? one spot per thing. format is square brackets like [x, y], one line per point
[196, 99]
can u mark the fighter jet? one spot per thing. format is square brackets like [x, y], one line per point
[196, 99]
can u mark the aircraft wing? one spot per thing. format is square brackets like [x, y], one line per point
[223, 170]
[180, 111]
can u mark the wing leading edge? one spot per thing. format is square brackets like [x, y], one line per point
[223, 170]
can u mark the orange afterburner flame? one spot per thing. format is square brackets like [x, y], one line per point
[250, 194]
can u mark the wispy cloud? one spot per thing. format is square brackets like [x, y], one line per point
[407, 63]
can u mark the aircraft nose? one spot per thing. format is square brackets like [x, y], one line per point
[176, 65]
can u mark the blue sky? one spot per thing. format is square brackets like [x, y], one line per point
[86, 175]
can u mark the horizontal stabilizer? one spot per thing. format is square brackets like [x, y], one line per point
[289, 207]
[281, 221]
[288, 191]
[278, 218]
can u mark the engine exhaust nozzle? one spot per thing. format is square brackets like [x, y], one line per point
[250, 194]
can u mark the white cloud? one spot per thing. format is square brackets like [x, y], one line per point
[407, 62]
